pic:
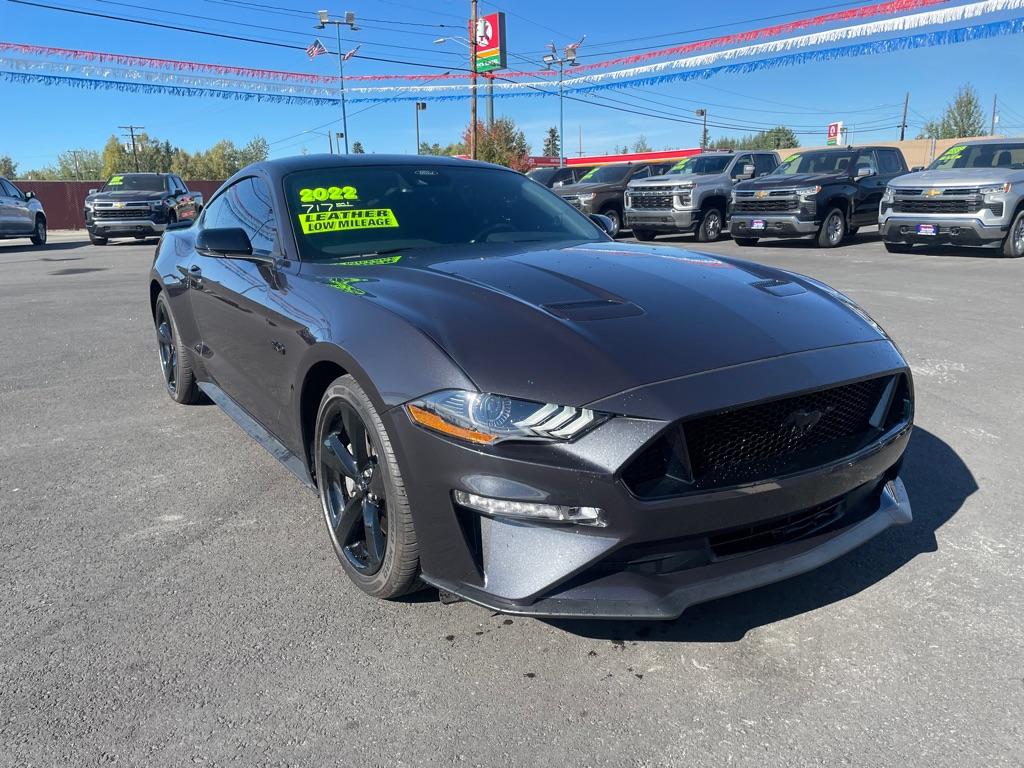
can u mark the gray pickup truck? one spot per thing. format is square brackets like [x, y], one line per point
[972, 195]
[694, 195]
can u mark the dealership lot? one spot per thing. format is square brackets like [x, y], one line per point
[171, 597]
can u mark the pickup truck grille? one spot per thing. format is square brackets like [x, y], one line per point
[765, 206]
[936, 205]
[121, 213]
[660, 202]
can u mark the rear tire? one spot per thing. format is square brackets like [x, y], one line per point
[899, 247]
[745, 242]
[833, 229]
[39, 235]
[644, 235]
[97, 240]
[362, 494]
[1013, 245]
[175, 357]
[711, 225]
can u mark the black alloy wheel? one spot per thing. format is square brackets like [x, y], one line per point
[362, 494]
[39, 235]
[175, 360]
[711, 225]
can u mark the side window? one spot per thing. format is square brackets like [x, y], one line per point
[737, 168]
[866, 159]
[6, 188]
[764, 164]
[643, 173]
[888, 161]
[245, 204]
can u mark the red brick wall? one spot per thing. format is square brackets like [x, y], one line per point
[63, 201]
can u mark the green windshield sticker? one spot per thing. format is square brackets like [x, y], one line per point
[953, 152]
[792, 158]
[355, 218]
[115, 181]
[380, 261]
[680, 165]
[590, 173]
[323, 194]
[346, 284]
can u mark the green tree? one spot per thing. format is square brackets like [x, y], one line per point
[8, 167]
[115, 158]
[357, 148]
[963, 118]
[502, 143]
[773, 138]
[552, 143]
[641, 144]
[256, 151]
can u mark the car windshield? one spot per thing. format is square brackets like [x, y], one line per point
[135, 182]
[701, 165]
[542, 175]
[606, 174]
[980, 156]
[345, 211]
[825, 161]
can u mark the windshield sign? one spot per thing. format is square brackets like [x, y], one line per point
[134, 182]
[980, 156]
[372, 210]
[702, 165]
[606, 174]
[815, 162]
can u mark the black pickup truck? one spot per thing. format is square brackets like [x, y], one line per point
[138, 205]
[827, 194]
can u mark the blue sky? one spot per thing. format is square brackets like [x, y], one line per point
[41, 120]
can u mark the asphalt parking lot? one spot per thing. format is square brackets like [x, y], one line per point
[170, 598]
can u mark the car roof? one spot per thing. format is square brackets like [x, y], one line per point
[285, 165]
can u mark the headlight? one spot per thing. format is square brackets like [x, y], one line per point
[486, 419]
[806, 192]
[997, 189]
[586, 196]
[88, 205]
[154, 204]
[887, 197]
[678, 188]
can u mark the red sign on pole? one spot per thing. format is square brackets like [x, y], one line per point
[835, 133]
[491, 52]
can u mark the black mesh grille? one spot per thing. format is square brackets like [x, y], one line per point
[122, 213]
[764, 206]
[769, 440]
[659, 202]
[937, 206]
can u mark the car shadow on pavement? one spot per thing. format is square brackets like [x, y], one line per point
[27, 248]
[938, 483]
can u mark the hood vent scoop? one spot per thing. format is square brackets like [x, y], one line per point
[594, 309]
[779, 287]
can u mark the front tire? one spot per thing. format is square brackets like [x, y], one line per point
[745, 242]
[97, 240]
[616, 218]
[711, 224]
[644, 235]
[39, 235]
[899, 247]
[1013, 245]
[175, 357]
[833, 229]
[362, 494]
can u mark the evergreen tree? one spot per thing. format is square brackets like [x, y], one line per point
[552, 144]
[963, 118]
[357, 148]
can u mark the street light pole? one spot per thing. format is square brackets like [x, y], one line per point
[420, 106]
[487, 75]
[472, 78]
[568, 57]
[350, 22]
[704, 132]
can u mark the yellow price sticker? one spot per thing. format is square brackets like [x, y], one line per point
[116, 181]
[338, 221]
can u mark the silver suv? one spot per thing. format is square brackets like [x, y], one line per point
[973, 195]
[693, 195]
[21, 214]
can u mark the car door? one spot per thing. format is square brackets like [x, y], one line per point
[229, 300]
[6, 207]
[22, 216]
[869, 189]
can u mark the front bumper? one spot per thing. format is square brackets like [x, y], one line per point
[668, 220]
[575, 571]
[775, 225]
[950, 230]
[124, 227]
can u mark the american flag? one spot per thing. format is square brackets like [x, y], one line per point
[351, 53]
[316, 48]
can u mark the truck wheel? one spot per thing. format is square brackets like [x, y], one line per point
[899, 247]
[745, 242]
[644, 235]
[39, 236]
[97, 240]
[710, 228]
[616, 218]
[1013, 245]
[833, 229]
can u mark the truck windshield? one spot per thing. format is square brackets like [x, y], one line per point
[822, 161]
[606, 174]
[701, 165]
[341, 211]
[980, 156]
[134, 182]
[542, 175]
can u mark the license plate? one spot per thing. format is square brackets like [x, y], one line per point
[757, 224]
[927, 229]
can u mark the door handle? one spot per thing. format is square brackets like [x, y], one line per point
[195, 276]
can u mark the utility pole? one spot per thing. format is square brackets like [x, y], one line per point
[568, 57]
[472, 78]
[131, 132]
[903, 122]
[704, 132]
[995, 117]
[581, 141]
[349, 21]
[490, 99]
[74, 154]
[420, 106]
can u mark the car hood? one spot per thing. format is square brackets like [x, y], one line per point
[579, 322]
[671, 180]
[579, 189]
[958, 177]
[793, 180]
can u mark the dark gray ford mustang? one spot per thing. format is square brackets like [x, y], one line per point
[492, 396]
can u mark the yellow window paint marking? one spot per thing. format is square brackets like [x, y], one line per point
[337, 221]
[377, 262]
[115, 181]
[680, 165]
[322, 194]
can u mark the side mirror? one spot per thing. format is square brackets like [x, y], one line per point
[604, 223]
[747, 172]
[864, 171]
[30, 195]
[231, 242]
[93, 191]
[917, 168]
